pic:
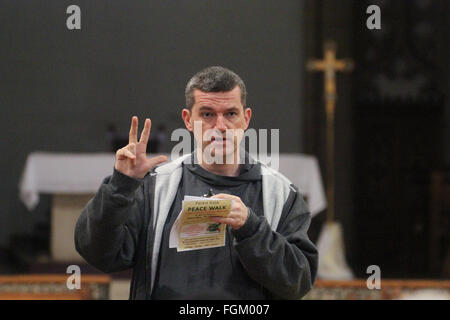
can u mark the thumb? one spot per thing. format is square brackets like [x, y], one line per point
[221, 196]
[152, 162]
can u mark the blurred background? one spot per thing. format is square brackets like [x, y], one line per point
[68, 96]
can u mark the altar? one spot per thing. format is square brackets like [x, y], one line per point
[73, 178]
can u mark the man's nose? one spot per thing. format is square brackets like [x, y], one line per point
[220, 123]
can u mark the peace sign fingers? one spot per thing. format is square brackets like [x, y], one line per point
[134, 131]
[132, 160]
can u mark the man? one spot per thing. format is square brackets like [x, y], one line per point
[267, 255]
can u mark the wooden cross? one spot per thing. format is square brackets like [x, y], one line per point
[329, 66]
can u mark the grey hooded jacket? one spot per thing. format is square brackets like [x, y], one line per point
[121, 227]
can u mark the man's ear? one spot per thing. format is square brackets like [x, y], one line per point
[186, 115]
[247, 117]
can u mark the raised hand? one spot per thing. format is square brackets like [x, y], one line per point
[132, 159]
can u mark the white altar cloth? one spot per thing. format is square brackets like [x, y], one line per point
[82, 173]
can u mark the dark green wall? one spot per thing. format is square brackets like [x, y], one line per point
[59, 88]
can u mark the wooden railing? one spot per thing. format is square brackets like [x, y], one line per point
[52, 287]
[386, 283]
[390, 289]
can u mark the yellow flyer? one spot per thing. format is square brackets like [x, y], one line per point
[196, 230]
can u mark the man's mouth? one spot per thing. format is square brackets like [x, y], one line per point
[220, 140]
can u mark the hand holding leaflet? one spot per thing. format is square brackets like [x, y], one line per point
[193, 229]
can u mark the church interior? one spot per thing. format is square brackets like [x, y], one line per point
[359, 90]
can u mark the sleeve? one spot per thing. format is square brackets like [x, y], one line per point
[107, 231]
[283, 261]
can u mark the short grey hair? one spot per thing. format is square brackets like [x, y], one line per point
[214, 79]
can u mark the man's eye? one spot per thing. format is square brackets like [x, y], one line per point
[207, 114]
[232, 113]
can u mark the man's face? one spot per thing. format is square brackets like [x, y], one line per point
[223, 121]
